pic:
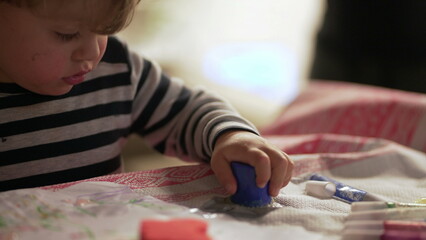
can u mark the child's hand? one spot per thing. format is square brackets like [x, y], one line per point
[270, 163]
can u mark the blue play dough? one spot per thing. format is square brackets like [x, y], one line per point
[248, 194]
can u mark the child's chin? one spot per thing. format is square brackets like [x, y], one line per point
[54, 92]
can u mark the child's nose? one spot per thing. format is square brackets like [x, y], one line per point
[88, 50]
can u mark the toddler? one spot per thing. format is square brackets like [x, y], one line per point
[71, 94]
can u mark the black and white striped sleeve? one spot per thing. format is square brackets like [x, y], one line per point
[176, 120]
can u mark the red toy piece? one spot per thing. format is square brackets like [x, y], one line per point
[176, 229]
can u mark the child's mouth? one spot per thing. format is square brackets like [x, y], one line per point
[75, 79]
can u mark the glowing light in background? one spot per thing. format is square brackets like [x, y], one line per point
[267, 69]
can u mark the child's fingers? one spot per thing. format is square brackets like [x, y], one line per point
[289, 170]
[222, 169]
[279, 164]
[220, 165]
[262, 164]
[270, 163]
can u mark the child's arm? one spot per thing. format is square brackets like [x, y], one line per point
[271, 164]
[197, 125]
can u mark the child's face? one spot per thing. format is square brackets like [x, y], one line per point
[47, 54]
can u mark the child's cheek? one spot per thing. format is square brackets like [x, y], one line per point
[48, 67]
[103, 41]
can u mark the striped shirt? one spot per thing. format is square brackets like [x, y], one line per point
[54, 139]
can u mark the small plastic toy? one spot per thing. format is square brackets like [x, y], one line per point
[174, 229]
[248, 194]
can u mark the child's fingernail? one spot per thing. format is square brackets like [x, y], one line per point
[229, 188]
[261, 185]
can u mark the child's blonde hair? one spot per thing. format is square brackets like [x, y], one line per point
[104, 17]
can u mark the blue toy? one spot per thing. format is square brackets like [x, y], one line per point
[248, 194]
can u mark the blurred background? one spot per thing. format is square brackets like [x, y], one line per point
[257, 54]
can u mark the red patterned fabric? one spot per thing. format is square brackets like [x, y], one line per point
[355, 110]
[150, 179]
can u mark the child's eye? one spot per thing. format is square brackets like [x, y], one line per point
[67, 36]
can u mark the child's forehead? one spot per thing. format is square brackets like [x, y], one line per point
[93, 13]
[76, 9]
[100, 16]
